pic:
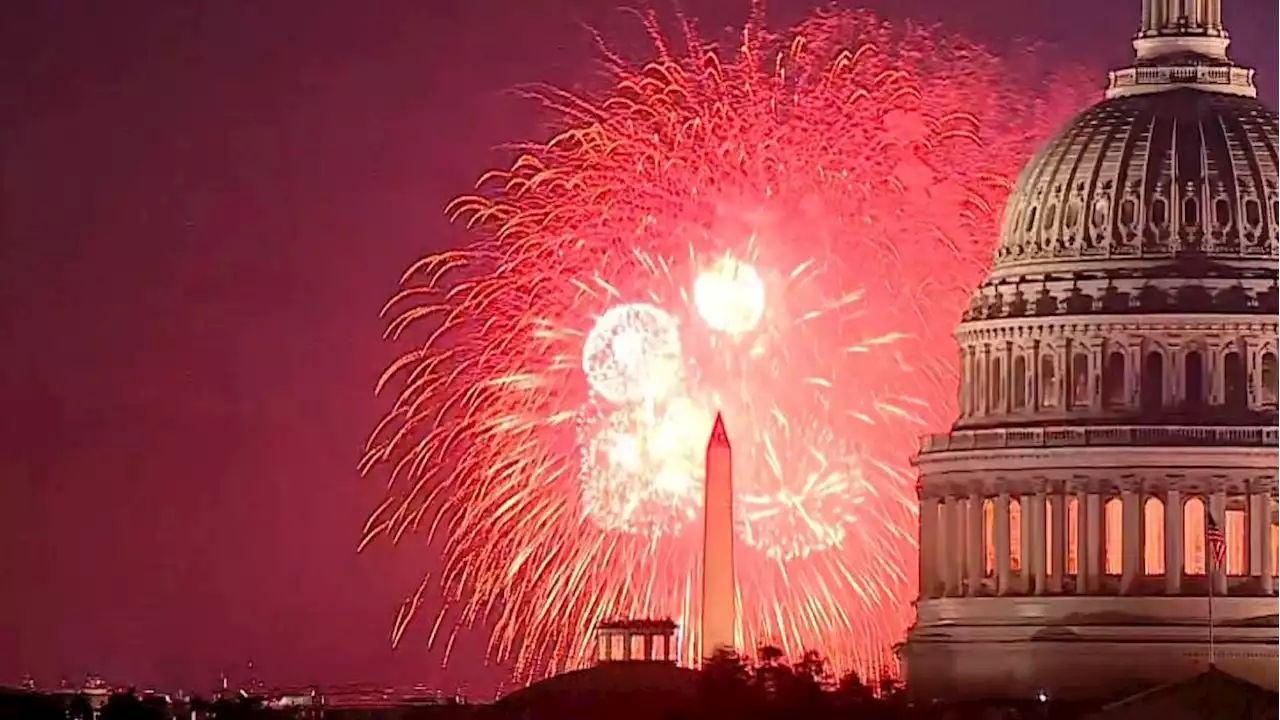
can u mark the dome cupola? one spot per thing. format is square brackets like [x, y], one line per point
[1161, 200]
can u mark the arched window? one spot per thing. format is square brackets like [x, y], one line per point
[1190, 212]
[1079, 380]
[1153, 536]
[1152, 395]
[1048, 382]
[996, 387]
[1193, 380]
[1252, 214]
[1113, 536]
[1019, 382]
[1113, 379]
[1233, 381]
[1270, 373]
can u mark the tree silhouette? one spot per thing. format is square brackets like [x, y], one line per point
[726, 685]
[240, 707]
[197, 704]
[795, 691]
[80, 708]
[773, 677]
[128, 706]
[811, 681]
[852, 693]
[771, 656]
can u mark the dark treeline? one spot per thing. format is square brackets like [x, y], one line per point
[133, 706]
[772, 687]
[767, 687]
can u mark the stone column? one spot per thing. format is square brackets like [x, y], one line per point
[1218, 508]
[971, 388]
[1037, 559]
[1082, 532]
[1058, 543]
[1064, 374]
[928, 547]
[953, 552]
[1266, 567]
[1131, 566]
[1257, 522]
[941, 561]
[1173, 542]
[1007, 401]
[1025, 584]
[1033, 397]
[987, 407]
[1213, 368]
[974, 557]
[1003, 550]
[648, 647]
[1092, 541]
[1097, 360]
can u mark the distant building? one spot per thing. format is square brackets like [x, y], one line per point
[637, 641]
[95, 691]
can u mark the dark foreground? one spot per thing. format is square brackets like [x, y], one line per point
[727, 688]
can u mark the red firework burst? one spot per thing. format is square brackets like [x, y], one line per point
[786, 232]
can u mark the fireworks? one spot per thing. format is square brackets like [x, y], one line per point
[786, 231]
[730, 296]
[632, 354]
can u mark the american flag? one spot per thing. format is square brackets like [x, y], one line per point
[1215, 541]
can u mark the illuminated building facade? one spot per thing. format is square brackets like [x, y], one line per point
[1118, 392]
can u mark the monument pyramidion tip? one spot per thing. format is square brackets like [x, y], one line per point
[718, 434]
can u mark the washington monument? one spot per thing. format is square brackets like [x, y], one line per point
[719, 595]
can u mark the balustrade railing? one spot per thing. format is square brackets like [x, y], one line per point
[1113, 435]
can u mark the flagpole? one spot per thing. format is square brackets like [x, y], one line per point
[1213, 570]
[1215, 552]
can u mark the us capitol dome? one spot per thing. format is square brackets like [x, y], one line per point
[1118, 400]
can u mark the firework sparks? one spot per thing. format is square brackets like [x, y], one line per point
[785, 231]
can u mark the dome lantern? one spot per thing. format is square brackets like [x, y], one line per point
[1173, 27]
[1181, 44]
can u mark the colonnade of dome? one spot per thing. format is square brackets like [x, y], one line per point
[1096, 541]
[1028, 371]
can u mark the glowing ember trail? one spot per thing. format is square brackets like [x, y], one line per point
[785, 231]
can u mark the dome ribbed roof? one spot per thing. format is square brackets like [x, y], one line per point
[1151, 177]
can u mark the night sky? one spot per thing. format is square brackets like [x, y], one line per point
[204, 206]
